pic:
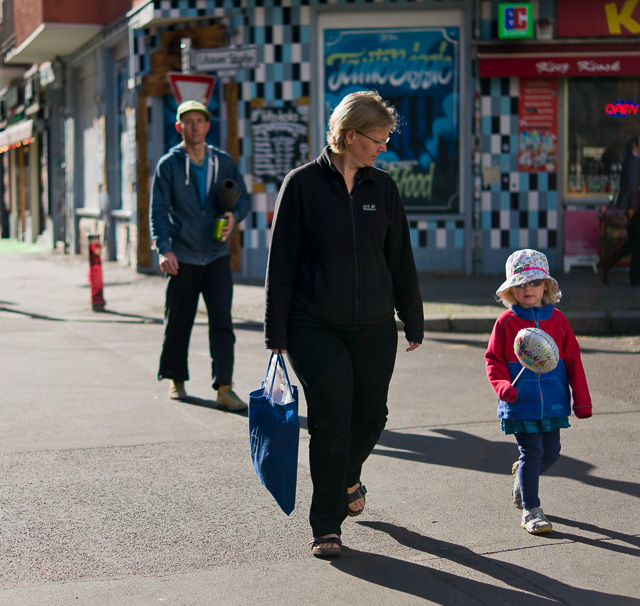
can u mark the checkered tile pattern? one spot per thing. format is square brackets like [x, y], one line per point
[521, 210]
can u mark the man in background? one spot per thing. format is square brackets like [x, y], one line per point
[184, 206]
[629, 201]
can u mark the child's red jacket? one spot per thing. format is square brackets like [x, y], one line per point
[540, 396]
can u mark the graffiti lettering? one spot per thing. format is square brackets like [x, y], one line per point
[394, 76]
[396, 67]
[413, 185]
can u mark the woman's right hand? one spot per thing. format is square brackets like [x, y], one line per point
[279, 351]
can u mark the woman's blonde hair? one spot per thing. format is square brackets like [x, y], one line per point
[551, 295]
[363, 110]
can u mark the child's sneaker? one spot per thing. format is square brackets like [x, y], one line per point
[535, 522]
[516, 493]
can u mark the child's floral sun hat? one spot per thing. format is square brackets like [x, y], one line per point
[523, 266]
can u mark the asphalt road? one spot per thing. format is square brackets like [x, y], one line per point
[112, 494]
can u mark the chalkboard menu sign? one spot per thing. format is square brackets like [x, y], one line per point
[280, 141]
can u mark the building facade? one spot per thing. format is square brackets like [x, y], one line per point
[509, 138]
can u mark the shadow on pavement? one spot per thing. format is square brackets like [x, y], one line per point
[603, 544]
[210, 404]
[525, 587]
[29, 315]
[145, 319]
[194, 401]
[458, 449]
[460, 341]
[613, 534]
[97, 317]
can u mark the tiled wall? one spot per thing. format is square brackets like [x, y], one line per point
[519, 211]
[522, 209]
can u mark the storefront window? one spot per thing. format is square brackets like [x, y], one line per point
[603, 114]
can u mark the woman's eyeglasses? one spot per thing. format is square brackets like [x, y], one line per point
[378, 142]
[532, 283]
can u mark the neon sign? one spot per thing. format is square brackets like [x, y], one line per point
[621, 109]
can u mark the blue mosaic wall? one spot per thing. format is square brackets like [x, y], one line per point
[519, 211]
[522, 209]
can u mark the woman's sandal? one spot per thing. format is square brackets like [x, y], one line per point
[358, 493]
[319, 549]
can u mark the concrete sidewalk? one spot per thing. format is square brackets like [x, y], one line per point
[112, 494]
[453, 303]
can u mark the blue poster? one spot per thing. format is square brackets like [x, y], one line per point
[418, 72]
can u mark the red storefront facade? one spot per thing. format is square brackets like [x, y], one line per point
[591, 51]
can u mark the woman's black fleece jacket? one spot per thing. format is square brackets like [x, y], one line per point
[338, 257]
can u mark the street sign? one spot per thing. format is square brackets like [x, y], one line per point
[191, 86]
[226, 59]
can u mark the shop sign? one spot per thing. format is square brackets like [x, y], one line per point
[580, 19]
[560, 63]
[621, 109]
[515, 20]
[418, 71]
[538, 125]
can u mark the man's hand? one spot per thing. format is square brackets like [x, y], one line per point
[226, 229]
[169, 264]
[412, 346]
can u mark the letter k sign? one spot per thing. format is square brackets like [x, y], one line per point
[616, 19]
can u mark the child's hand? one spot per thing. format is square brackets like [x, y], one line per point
[581, 411]
[583, 414]
[510, 394]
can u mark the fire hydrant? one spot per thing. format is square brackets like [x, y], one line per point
[95, 273]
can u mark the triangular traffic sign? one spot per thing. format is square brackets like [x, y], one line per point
[191, 86]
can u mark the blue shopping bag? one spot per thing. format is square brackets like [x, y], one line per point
[274, 430]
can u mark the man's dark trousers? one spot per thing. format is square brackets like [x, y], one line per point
[215, 282]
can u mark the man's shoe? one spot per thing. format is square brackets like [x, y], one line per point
[177, 390]
[535, 522]
[228, 400]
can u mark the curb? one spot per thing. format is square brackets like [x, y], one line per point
[588, 323]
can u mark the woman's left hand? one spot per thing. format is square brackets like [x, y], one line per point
[412, 346]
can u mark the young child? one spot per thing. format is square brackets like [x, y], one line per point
[538, 405]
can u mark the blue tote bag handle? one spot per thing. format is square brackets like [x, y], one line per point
[279, 361]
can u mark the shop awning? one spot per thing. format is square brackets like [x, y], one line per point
[559, 61]
[23, 131]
